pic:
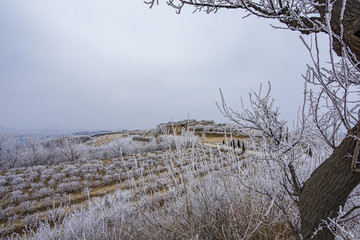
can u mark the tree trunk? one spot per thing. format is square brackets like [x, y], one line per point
[327, 189]
[351, 24]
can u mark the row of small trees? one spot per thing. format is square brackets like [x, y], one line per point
[237, 144]
[32, 150]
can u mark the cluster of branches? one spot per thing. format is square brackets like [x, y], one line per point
[289, 157]
[328, 115]
[331, 106]
[305, 16]
[32, 150]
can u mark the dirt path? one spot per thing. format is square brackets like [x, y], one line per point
[142, 174]
[31, 195]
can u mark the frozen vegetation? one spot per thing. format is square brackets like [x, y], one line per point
[293, 181]
[156, 185]
[34, 150]
[185, 192]
[153, 186]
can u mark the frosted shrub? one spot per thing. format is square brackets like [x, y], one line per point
[188, 139]
[69, 168]
[97, 166]
[17, 180]
[141, 139]
[95, 223]
[52, 182]
[73, 149]
[34, 150]
[11, 150]
[69, 186]
[2, 214]
[9, 209]
[45, 177]
[4, 190]
[2, 180]
[218, 207]
[152, 147]
[96, 182]
[115, 149]
[48, 172]
[17, 195]
[86, 183]
[32, 176]
[74, 179]
[42, 192]
[21, 186]
[37, 185]
[58, 176]
[108, 179]
[89, 176]
[87, 168]
[25, 206]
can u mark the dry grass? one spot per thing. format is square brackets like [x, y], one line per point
[215, 138]
[146, 171]
[66, 184]
[109, 138]
[183, 193]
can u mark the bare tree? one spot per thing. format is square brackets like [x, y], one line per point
[10, 150]
[332, 104]
[72, 148]
[34, 150]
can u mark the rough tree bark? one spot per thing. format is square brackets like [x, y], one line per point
[351, 24]
[327, 189]
[331, 183]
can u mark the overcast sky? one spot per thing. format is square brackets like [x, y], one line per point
[111, 64]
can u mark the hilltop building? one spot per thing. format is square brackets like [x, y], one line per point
[178, 127]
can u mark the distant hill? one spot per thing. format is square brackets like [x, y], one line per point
[57, 132]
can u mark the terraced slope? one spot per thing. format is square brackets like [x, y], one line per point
[29, 196]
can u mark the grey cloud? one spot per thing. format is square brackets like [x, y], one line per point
[117, 64]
